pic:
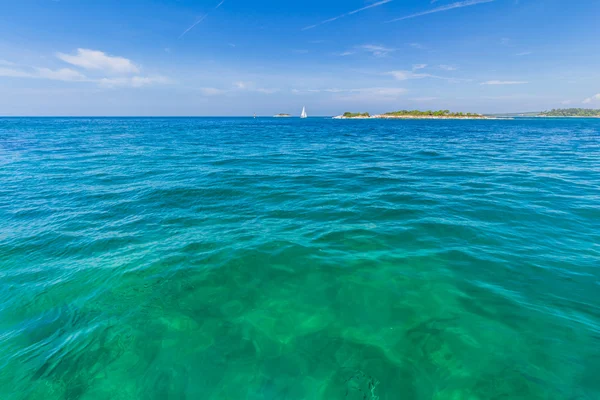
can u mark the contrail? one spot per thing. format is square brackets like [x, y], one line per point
[379, 3]
[458, 4]
[201, 19]
[193, 25]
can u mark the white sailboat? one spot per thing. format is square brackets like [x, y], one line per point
[303, 115]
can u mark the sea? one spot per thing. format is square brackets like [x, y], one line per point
[241, 258]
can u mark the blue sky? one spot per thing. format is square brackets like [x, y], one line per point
[234, 57]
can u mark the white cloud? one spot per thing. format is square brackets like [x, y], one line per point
[496, 82]
[134, 81]
[345, 53]
[591, 99]
[406, 75]
[242, 85]
[446, 67]
[458, 4]
[208, 91]
[423, 99]
[419, 66]
[377, 4]
[523, 53]
[266, 90]
[65, 74]
[98, 60]
[14, 73]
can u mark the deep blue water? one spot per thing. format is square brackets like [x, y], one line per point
[232, 258]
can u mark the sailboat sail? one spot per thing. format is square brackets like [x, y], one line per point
[303, 115]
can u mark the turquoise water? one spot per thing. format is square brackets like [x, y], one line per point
[288, 259]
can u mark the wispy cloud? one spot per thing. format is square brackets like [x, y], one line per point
[591, 99]
[64, 74]
[446, 67]
[220, 4]
[103, 70]
[266, 90]
[423, 99]
[70, 75]
[523, 53]
[210, 91]
[458, 4]
[193, 25]
[418, 66]
[404, 75]
[6, 63]
[369, 94]
[239, 86]
[377, 4]
[376, 50]
[98, 60]
[133, 81]
[417, 46]
[496, 82]
[345, 53]
[376, 91]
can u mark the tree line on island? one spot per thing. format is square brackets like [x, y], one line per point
[429, 113]
[571, 112]
[413, 113]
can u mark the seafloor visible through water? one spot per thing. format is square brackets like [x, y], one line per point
[288, 259]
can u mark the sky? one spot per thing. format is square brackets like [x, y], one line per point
[240, 57]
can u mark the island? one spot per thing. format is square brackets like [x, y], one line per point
[414, 114]
[356, 115]
[571, 112]
[282, 116]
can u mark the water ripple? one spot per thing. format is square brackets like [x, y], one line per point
[271, 259]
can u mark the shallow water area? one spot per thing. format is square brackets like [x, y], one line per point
[238, 258]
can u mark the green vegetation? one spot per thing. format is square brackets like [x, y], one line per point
[571, 112]
[429, 113]
[355, 115]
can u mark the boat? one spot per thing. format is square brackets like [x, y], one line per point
[303, 115]
[282, 116]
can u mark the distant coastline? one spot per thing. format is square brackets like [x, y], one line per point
[556, 113]
[415, 114]
[571, 113]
